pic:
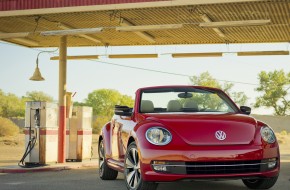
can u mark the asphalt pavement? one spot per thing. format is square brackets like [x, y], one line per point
[88, 178]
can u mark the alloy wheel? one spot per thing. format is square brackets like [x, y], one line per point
[101, 157]
[133, 172]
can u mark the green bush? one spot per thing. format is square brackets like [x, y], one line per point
[99, 123]
[7, 127]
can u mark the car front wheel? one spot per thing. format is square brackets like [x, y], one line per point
[105, 172]
[133, 178]
[266, 183]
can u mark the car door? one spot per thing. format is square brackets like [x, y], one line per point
[115, 140]
[120, 135]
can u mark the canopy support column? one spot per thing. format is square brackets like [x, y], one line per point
[62, 99]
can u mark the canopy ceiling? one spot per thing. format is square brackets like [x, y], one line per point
[188, 13]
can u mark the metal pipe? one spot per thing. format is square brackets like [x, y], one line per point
[62, 99]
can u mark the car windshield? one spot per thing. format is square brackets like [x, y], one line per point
[165, 100]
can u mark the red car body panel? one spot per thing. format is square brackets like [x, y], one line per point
[204, 127]
[193, 140]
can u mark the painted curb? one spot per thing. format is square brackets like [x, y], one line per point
[47, 168]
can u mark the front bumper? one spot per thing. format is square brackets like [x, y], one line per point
[221, 162]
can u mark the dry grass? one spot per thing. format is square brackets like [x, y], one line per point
[12, 148]
[17, 140]
[95, 146]
[7, 128]
[283, 137]
[284, 142]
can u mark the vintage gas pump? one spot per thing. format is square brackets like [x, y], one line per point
[41, 134]
[80, 134]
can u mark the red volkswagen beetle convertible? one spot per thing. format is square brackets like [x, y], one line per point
[187, 133]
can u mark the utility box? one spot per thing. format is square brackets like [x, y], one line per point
[80, 134]
[41, 133]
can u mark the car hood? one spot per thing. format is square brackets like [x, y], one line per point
[201, 129]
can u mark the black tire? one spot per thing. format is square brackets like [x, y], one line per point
[105, 172]
[266, 183]
[132, 171]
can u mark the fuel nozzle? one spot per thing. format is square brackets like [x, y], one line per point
[37, 118]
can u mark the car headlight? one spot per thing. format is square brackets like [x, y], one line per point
[268, 134]
[158, 136]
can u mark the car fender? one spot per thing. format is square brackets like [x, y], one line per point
[139, 135]
[132, 136]
[137, 131]
[106, 136]
[140, 131]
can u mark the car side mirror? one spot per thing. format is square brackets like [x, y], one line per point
[123, 110]
[245, 110]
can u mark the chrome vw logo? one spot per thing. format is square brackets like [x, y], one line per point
[220, 135]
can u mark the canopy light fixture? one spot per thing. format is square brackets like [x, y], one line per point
[261, 53]
[208, 54]
[174, 55]
[14, 35]
[77, 57]
[71, 32]
[235, 23]
[134, 56]
[66, 27]
[37, 75]
[148, 27]
[52, 33]
[114, 56]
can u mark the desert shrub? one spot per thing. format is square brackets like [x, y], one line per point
[7, 127]
[281, 141]
[284, 133]
[281, 138]
[99, 123]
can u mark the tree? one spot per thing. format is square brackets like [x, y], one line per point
[38, 96]
[79, 104]
[205, 79]
[103, 101]
[99, 123]
[274, 87]
[11, 105]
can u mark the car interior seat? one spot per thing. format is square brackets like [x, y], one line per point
[147, 106]
[190, 105]
[174, 106]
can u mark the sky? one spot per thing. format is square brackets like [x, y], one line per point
[127, 75]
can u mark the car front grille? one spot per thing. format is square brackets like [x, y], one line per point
[211, 168]
[227, 167]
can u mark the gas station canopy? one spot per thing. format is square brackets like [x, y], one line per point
[144, 22]
[74, 23]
